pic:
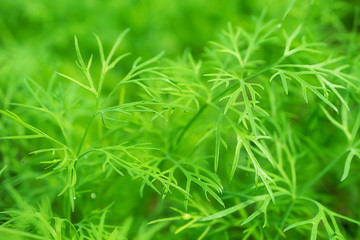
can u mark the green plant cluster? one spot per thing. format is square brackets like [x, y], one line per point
[254, 134]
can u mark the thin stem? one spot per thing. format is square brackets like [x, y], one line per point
[320, 174]
[62, 128]
[85, 133]
[188, 125]
[286, 216]
[219, 95]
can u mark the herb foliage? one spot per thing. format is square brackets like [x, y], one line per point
[255, 138]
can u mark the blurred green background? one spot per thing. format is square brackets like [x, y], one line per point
[36, 37]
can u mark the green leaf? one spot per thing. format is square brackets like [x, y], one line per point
[228, 211]
[217, 144]
[349, 158]
[289, 7]
[78, 83]
[236, 157]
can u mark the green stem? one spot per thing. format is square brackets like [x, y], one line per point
[219, 95]
[320, 174]
[85, 133]
[307, 187]
[283, 221]
[188, 125]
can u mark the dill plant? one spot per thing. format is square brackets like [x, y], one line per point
[257, 138]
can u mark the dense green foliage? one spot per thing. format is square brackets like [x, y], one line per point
[228, 120]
